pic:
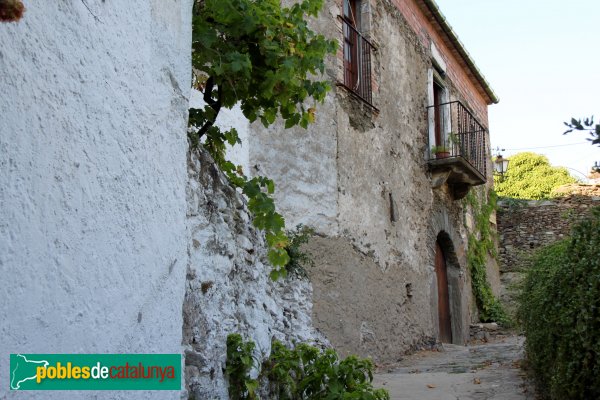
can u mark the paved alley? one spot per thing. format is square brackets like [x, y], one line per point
[487, 371]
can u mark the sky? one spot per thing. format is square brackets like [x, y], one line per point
[542, 58]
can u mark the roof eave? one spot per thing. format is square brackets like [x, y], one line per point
[453, 37]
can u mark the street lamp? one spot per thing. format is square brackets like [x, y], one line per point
[500, 165]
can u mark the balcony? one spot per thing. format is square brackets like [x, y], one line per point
[457, 147]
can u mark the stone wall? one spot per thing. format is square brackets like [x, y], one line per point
[228, 289]
[359, 176]
[93, 235]
[525, 226]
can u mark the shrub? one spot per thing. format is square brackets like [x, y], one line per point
[299, 259]
[302, 373]
[530, 176]
[560, 313]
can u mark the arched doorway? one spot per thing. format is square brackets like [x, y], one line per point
[444, 317]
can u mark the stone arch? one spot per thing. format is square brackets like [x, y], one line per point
[447, 236]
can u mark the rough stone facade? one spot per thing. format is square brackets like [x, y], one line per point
[228, 289]
[525, 226]
[359, 176]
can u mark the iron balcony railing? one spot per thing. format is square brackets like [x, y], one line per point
[357, 62]
[452, 127]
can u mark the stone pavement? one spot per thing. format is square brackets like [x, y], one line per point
[489, 371]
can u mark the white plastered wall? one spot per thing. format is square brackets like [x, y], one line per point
[93, 237]
[228, 119]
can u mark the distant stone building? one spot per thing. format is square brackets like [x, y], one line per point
[400, 139]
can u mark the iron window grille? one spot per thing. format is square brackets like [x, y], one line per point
[357, 56]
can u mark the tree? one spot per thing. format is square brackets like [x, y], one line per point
[531, 176]
[265, 57]
[587, 125]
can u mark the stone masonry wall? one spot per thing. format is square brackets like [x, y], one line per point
[525, 226]
[359, 177]
[228, 289]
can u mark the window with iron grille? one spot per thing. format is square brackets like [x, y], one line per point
[357, 53]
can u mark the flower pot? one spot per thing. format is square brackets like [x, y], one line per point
[442, 154]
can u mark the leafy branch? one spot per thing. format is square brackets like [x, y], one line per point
[266, 58]
[302, 373]
[586, 125]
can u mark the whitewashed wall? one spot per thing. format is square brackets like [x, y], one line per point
[227, 119]
[228, 289]
[266, 151]
[93, 238]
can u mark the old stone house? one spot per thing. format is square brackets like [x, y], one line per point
[391, 271]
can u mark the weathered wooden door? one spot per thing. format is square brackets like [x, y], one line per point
[443, 299]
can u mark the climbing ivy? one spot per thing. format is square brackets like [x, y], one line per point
[302, 373]
[482, 244]
[266, 58]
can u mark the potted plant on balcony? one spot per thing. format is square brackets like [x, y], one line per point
[453, 139]
[441, 151]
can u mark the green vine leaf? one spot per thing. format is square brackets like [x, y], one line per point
[304, 372]
[266, 58]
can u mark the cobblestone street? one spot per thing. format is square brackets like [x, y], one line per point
[489, 371]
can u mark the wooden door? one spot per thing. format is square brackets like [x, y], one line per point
[443, 299]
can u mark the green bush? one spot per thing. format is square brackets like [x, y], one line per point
[560, 313]
[302, 373]
[530, 176]
[299, 259]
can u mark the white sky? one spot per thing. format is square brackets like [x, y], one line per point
[542, 59]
